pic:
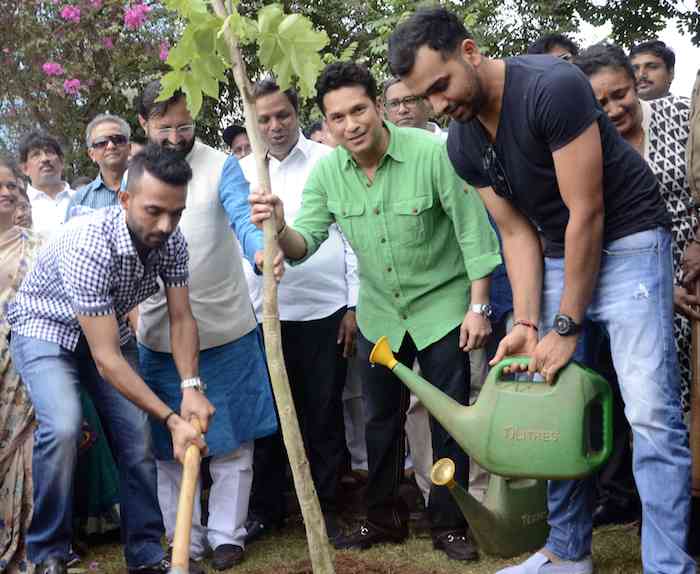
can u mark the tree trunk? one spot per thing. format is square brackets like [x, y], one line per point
[319, 549]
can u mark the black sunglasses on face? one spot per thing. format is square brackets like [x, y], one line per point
[116, 139]
[496, 173]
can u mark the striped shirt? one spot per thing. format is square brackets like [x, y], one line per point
[95, 195]
[93, 269]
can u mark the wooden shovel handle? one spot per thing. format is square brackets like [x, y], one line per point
[695, 406]
[185, 505]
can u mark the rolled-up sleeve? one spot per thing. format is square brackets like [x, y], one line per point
[463, 205]
[175, 267]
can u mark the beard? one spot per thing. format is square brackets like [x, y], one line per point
[181, 149]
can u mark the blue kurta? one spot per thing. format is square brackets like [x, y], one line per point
[238, 386]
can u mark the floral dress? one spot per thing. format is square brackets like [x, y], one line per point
[17, 249]
[666, 129]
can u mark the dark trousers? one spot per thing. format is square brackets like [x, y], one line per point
[316, 371]
[386, 402]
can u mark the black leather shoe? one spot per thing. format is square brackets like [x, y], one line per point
[333, 528]
[368, 534]
[226, 556]
[457, 545]
[257, 528]
[162, 567]
[611, 513]
[52, 566]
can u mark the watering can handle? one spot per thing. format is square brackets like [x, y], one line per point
[596, 458]
[508, 361]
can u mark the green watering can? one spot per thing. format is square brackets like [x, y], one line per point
[512, 519]
[524, 429]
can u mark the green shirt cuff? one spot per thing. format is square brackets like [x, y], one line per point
[482, 266]
[311, 248]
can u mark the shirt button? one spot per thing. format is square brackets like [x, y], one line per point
[382, 240]
[404, 316]
[345, 212]
[396, 295]
[414, 210]
[388, 269]
[376, 211]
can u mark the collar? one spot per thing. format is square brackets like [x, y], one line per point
[395, 149]
[434, 128]
[123, 242]
[33, 193]
[303, 146]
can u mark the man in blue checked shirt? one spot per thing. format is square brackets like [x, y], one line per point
[69, 328]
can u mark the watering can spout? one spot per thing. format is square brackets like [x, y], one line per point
[480, 518]
[448, 412]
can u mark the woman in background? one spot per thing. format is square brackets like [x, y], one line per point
[17, 250]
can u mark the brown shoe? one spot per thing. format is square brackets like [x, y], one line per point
[226, 556]
[368, 534]
[456, 544]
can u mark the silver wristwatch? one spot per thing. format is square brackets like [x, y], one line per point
[483, 309]
[193, 383]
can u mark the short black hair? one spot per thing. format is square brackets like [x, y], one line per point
[10, 164]
[231, 133]
[603, 55]
[545, 43]
[148, 107]
[268, 86]
[659, 49]
[342, 75]
[437, 28]
[163, 164]
[37, 139]
[313, 128]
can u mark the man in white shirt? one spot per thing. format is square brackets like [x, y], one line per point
[41, 160]
[316, 304]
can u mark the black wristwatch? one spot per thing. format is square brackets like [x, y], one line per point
[565, 325]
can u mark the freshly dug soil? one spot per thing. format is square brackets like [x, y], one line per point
[348, 565]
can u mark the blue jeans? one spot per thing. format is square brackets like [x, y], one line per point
[633, 301]
[52, 374]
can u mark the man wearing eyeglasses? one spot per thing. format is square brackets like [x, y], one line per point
[231, 357]
[406, 110]
[585, 236]
[107, 140]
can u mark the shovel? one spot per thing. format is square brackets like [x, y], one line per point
[185, 504]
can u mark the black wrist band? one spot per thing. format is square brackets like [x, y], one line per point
[165, 420]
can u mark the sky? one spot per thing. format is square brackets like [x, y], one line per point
[687, 55]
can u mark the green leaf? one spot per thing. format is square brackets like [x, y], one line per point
[269, 18]
[204, 40]
[193, 94]
[169, 84]
[206, 82]
[181, 54]
[347, 54]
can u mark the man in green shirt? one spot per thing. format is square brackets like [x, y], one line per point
[425, 251]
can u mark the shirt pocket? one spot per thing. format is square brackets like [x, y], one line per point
[413, 221]
[350, 217]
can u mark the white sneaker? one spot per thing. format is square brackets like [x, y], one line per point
[538, 563]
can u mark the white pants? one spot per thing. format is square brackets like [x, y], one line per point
[420, 443]
[232, 477]
[354, 417]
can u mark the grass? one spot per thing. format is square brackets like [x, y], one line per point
[615, 549]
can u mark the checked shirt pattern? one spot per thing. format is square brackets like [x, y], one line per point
[93, 269]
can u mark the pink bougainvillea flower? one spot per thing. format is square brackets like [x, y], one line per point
[52, 69]
[72, 87]
[164, 50]
[108, 43]
[135, 16]
[96, 4]
[70, 13]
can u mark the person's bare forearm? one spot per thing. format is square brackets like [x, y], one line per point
[291, 243]
[522, 252]
[582, 253]
[480, 290]
[184, 342]
[117, 371]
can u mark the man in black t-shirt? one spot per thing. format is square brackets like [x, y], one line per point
[585, 235]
